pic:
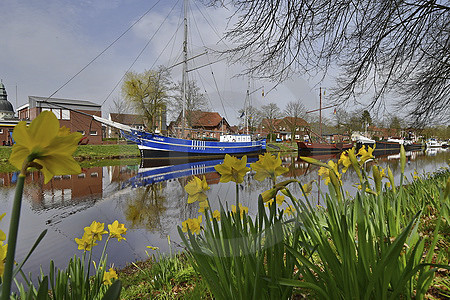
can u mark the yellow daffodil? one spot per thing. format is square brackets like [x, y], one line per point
[86, 242]
[109, 276]
[232, 169]
[307, 188]
[152, 248]
[96, 230]
[242, 209]
[192, 224]
[3, 251]
[344, 160]
[366, 154]
[279, 200]
[203, 205]
[216, 215]
[44, 143]
[268, 165]
[2, 234]
[289, 210]
[196, 189]
[325, 172]
[116, 230]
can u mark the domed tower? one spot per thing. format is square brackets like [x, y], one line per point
[6, 108]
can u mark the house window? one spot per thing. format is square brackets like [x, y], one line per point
[94, 174]
[1, 131]
[57, 113]
[65, 114]
[81, 131]
[93, 132]
[82, 175]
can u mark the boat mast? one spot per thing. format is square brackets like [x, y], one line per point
[320, 112]
[246, 106]
[184, 74]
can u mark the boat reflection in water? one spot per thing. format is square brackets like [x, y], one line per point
[149, 173]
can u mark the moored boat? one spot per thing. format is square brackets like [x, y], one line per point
[432, 143]
[153, 146]
[307, 147]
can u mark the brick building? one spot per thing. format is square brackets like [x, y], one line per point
[201, 125]
[70, 113]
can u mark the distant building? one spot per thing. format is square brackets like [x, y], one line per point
[282, 128]
[7, 119]
[202, 125]
[132, 120]
[73, 114]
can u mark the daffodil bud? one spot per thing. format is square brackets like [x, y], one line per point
[402, 158]
[391, 179]
[355, 164]
[377, 178]
[335, 181]
[447, 189]
[269, 194]
[315, 162]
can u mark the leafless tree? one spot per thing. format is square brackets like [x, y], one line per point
[270, 113]
[253, 115]
[381, 48]
[195, 100]
[296, 113]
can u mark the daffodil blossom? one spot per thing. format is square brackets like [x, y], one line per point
[242, 209]
[152, 248]
[232, 169]
[344, 160]
[325, 172]
[86, 242]
[109, 276]
[3, 251]
[96, 230]
[192, 224]
[289, 210]
[268, 165]
[307, 188]
[2, 234]
[47, 145]
[216, 215]
[279, 200]
[196, 189]
[366, 154]
[116, 230]
[203, 205]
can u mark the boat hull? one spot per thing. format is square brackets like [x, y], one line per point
[153, 146]
[304, 147]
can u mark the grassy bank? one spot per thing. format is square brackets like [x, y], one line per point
[88, 156]
[174, 277]
[281, 147]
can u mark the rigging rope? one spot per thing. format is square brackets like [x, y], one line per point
[142, 51]
[101, 53]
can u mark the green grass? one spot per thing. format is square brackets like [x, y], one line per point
[88, 155]
[106, 151]
[281, 147]
[164, 277]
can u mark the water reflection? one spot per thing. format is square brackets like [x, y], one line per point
[151, 201]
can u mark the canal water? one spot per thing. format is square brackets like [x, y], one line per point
[151, 202]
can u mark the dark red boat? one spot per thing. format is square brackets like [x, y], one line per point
[305, 147]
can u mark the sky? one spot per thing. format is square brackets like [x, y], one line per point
[43, 44]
